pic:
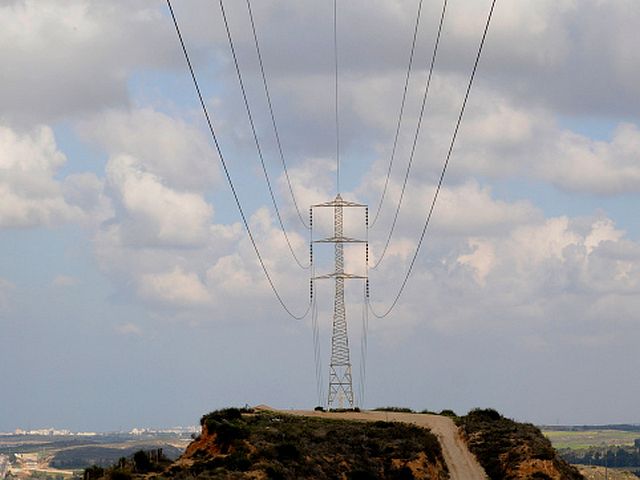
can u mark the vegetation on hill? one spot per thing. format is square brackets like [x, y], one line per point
[614, 457]
[393, 409]
[82, 457]
[138, 464]
[508, 450]
[270, 445]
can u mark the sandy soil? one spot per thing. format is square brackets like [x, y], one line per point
[461, 462]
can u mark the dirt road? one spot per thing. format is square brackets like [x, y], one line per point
[461, 462]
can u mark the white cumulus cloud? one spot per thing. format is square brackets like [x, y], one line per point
[29, 192]
[174, 288]
[151, 212]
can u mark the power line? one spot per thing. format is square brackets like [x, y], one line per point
[364, 342]
[227, 174]
[337, 111]
[400, 115]
[317, 352]
[314, 317]
[364, 345]
[255, 136]
[273, 117]
[415, 136]
[444, 169]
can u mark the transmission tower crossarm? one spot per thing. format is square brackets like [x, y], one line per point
[342, 239]
[338, 202]
[343, 275]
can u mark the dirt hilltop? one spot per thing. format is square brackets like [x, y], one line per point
[264, 443]
[461, 463]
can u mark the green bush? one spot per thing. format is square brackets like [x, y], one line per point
[220, 415]
[393, 409]
[484, 414]
[119, 475]
[93, 473]
[448, 413]
[287, 452]
[228, 433]
[141, 461]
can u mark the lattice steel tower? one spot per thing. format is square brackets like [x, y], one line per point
[340, 377]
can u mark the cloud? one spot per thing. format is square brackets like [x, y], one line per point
[542, 53]
[175, 288]
[75, 56]
[64, 281]
[31, 196]
[493, 265]
[501, 140]
[152, 213]
[219, 273]
[580, 164]
[471, 208]
[165, 146]
[129, 329]
[482, 259]
[468, 210]
[542, 271]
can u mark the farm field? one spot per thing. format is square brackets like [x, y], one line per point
[583, 439]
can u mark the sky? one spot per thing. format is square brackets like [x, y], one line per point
[130, 294]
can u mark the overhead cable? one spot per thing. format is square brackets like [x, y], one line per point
[273, 117]
[317, 351]
[400, 115]
[255, 137]
[442, 173]
[415, 136]
[227, 174]
[364, 346]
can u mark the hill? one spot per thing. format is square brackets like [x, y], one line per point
[511, 450]
[267, 444]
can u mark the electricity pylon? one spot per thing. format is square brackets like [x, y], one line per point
[340, 378]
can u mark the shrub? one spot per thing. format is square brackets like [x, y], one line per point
[362, 475]
[227, 425]
[484, 414]
[227, 433]
[238, 461]
[403, 473]
[393, 409]
[274, 473]
[449, 413]
[93, 473]
[119, 475]
[220, 415]
[287, 451]
[141, 462]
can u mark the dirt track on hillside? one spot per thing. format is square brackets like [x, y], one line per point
[460, 461]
